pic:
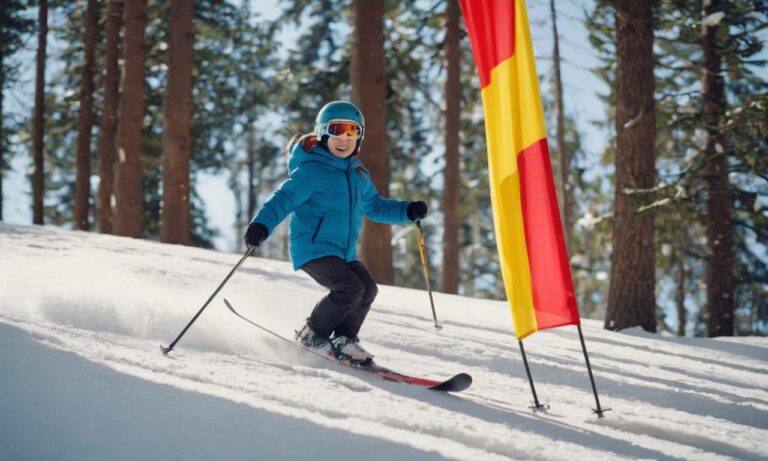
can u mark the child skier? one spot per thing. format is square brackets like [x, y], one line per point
[327, 193]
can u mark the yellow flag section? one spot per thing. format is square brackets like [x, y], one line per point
[531, 245]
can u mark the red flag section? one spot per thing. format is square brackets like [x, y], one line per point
[492, 42]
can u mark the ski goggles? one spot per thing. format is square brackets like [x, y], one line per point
[340, 128]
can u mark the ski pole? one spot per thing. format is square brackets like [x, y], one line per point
[168, 349]
[425, 268]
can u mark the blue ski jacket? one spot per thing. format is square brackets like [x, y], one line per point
[327, 198]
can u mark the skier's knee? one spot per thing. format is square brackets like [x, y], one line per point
[351, 292]
[371, 291]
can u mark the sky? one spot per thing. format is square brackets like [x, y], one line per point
[581, 88]
[82, 316]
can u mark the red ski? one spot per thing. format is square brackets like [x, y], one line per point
[456, 383]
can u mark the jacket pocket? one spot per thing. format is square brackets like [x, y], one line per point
[317, 229]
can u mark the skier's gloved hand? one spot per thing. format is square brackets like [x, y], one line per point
[417, 210]
[256, 233]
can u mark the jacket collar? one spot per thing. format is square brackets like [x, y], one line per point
[320, 154]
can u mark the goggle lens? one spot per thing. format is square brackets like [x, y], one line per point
[351, 129]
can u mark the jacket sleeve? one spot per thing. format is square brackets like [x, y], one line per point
[297, 189]
[383, 210]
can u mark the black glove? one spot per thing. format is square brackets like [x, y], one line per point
[256, 233]
[417, 210]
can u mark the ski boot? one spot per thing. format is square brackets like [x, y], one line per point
[350, 349]
[309, 339]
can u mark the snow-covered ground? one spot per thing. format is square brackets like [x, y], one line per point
[82, 317]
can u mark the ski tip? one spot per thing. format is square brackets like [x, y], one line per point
[165, 350]
[457, 383]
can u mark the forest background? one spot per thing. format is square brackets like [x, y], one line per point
[259, 71]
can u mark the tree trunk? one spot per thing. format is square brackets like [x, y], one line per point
[129, 191]
[108, 128]
[38, 181]
[631, 296]
[451, 183]
[562, 150]
[369, 85]
[175, 223]
[85, 120]
[720, 303]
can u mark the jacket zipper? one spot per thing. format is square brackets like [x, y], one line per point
[349, 190]
[317, 229]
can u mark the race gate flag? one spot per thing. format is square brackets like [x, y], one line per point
[529, 235]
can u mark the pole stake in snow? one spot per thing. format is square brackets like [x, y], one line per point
[248, 252]
[536, 405]
[425, 268]
[599, 411]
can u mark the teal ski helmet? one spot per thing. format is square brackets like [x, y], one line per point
[342, 111]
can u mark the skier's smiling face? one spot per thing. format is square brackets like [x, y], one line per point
[342, 146]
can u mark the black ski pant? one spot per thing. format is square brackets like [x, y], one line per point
[343, 310]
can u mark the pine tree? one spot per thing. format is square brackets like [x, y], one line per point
[108, 125]
[631, 297]
[82, 205]
[129, 190]
[38, 181]
[369, 84]
[175, 224]
[451, 183]
[734, 132]
[720, 304]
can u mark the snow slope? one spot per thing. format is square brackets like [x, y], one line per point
[82, 377]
